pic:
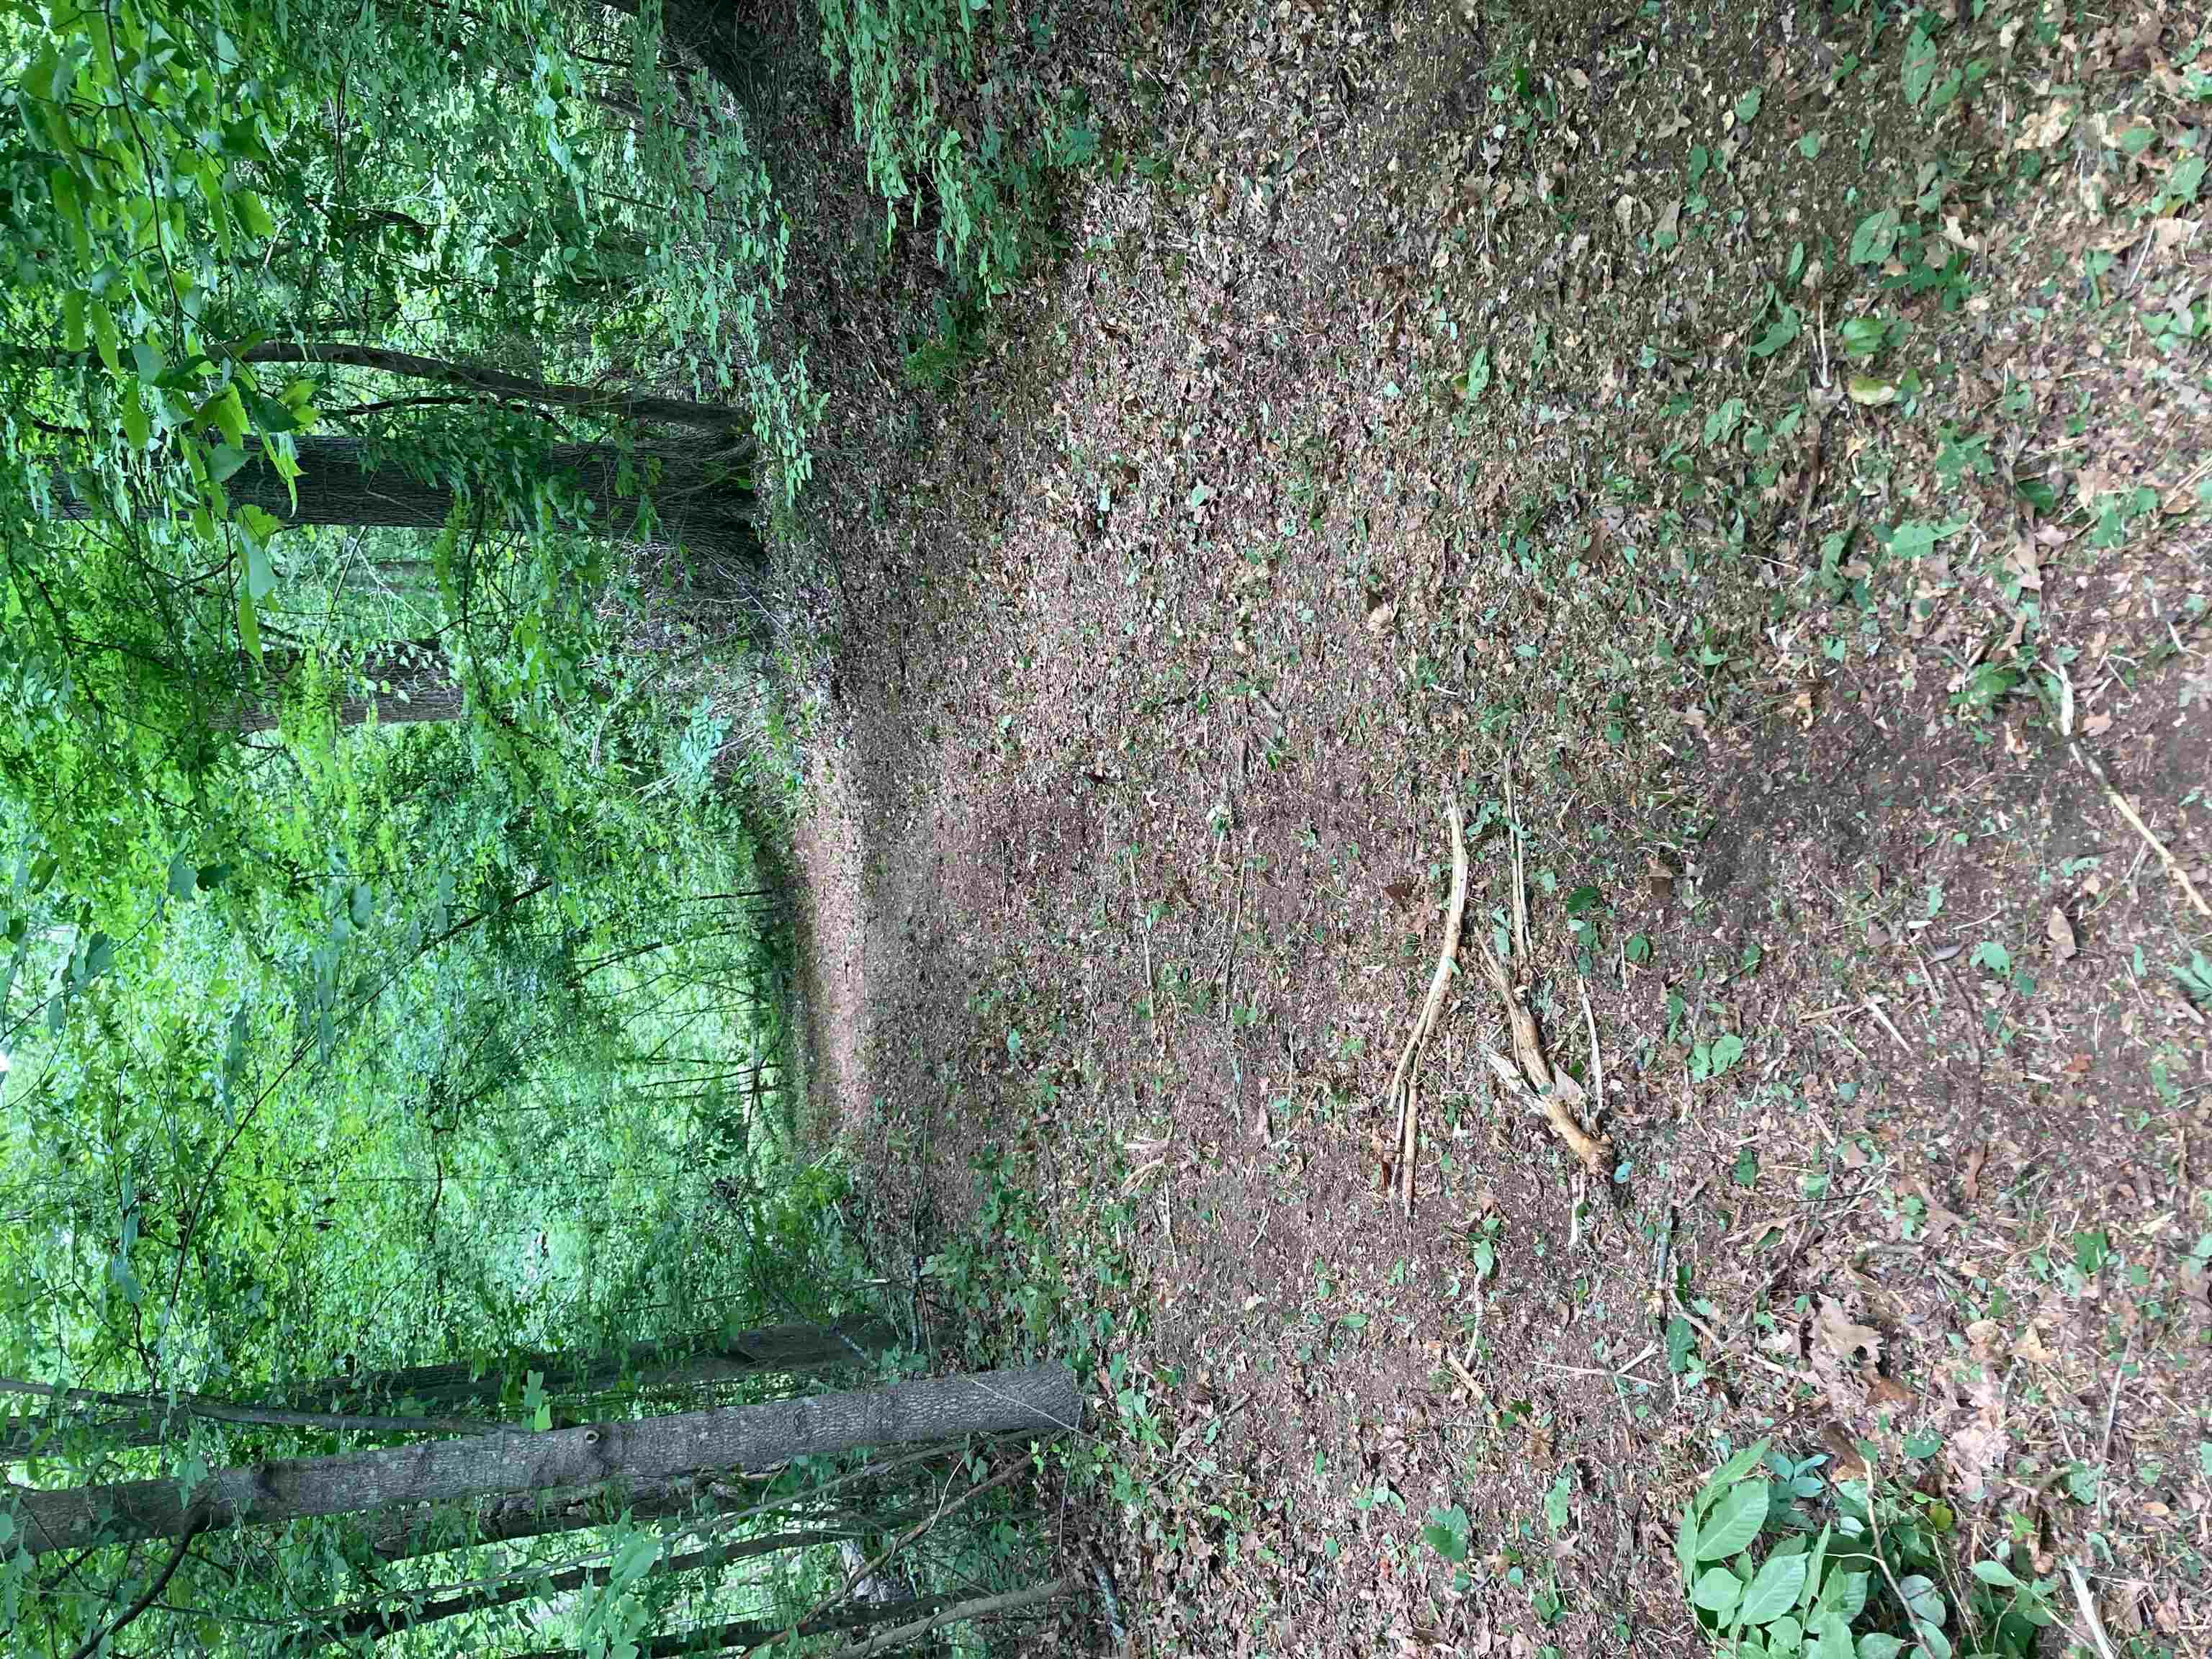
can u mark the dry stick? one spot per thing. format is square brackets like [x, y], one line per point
[1597, 1062]
[2126, 810]
[1401, 1079]
[2088, 1604]
[1555, 1094]
[1520, 881]
[882, 1641]
[2063, 716]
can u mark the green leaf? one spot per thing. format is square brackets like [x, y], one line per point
[1880, 1644]
[1992, 956]
[1717, 1591]
[1780, 332]
[260, 574]
[1995, 1572]
[184, 877]
[1773, 1592]
[1681, 1343]
[1477, 380]
[137, 430]
[1732, 1471]
[1916, 539]
[1447, 1532]
[1919, 70]
[228, 414]
[104, 336]
[249, 626]
[1735, 1520]
[1876, 237]
[632, 1561]
[126, 1280]
[1831, 1638]
[1746, 107]
[253, 214]
[1555, 1502]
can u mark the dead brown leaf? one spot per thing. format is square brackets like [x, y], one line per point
[1835, 1331]
[2060, 933]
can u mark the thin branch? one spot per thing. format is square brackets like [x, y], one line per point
[192, 1528]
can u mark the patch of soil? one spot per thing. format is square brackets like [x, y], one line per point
[1381, 434]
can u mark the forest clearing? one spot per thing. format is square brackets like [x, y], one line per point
[1138, 829]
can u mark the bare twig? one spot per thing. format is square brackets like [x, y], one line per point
[1401, 1079]
[1519, 883]
[885, 1641]
[855, 1581]
[153, 1591]
[1556, 1095]
[1597, 1062]
[2061, 715]
[2088, 1604]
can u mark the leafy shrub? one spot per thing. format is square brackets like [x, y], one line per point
[916, 68]
[1860, 1574]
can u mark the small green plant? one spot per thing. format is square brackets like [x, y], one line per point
[2196, 977]
[1777, 1562]
[918, 74]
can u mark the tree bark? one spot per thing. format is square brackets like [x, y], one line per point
[146, 1417]
[767, 1350]
[478, 377]
[354, 1405]
[695, 501]
[410, 1532]
[419, 676]
[1040, 1399]
[707, 29]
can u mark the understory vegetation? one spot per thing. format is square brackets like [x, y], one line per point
[897, 826]
[400, 1036]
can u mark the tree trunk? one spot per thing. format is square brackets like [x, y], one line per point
[1040, 1399]
[696, 500]
[769, 1350]
[410, 1532]
[708, 30]
[477, 377]
[342, 1404]
[419, 676]
[145, 1418]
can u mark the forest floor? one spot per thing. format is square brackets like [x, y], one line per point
[1782, 452]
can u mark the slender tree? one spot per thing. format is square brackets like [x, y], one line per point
[498, 383]
[1039, 1399]
[766, 1350]
[697, 498]
[376, 1619]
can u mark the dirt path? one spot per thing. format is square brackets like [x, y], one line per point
[1457, 397]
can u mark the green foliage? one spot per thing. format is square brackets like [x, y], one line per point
[1778, 1561]
[917, 69]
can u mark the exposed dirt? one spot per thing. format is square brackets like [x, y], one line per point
[1434, 394]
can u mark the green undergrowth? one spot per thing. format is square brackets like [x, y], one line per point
[1779, 1559]
[927, 78]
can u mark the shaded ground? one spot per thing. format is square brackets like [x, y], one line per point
[1433, 394]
